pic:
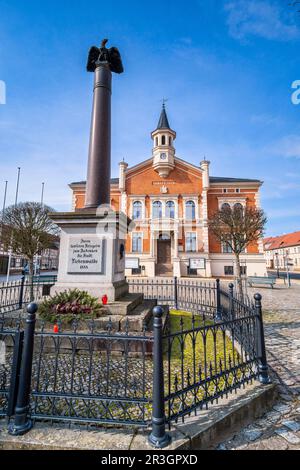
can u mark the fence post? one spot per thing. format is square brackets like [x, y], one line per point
[175, 293]
[22, 422]
[263, 369]
[158, 437]
[218, 316]
[231, 305]
[22, 290]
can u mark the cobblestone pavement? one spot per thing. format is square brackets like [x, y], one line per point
[278, 429]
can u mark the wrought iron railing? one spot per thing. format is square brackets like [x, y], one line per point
[95, 375]
[184, 294]
[14, 295]
[91, 376]
[204, 362]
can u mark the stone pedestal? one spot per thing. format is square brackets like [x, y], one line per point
[92, 253]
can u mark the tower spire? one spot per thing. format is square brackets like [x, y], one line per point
[163, 122]
[163, 149]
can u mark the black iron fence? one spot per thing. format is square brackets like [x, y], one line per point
[85, 374]
[14, 295]
[184, 294]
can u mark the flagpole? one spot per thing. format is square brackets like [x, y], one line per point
[16, 202]
[2, 223]
[43, 190]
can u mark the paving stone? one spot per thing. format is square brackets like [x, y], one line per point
[252, 433]
[292, 425]
[282, 408]
[282, 333]
[273, 416]
[274, 443]
[221, 447]
[286, 397]
[289, 436]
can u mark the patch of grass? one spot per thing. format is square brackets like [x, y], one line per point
[195, 356]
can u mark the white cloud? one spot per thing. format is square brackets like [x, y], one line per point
[264, 18]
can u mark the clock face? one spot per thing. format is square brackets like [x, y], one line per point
[163, 156]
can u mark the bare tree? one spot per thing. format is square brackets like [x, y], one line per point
[27, 231]
[237, 228]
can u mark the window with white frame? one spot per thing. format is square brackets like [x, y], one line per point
[238, 207]
[170, 209]
[190, 242]
[190, 210]
[227, 248]
[226, 206]
[137, 242]
[137, 210]
[157, 210]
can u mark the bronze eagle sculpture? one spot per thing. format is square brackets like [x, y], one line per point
[98, 55]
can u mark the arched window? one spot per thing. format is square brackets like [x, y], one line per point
[163, 140]
[170, 210]
[190, 210]
[156, 141]
[157, 210]
[225, 207]
[170, 141]
[238, 207]
[137, 210]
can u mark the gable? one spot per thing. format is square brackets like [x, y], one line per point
[184, 179]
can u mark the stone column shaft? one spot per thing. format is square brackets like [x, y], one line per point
[99, 164]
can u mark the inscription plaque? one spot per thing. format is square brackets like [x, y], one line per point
[85, 256]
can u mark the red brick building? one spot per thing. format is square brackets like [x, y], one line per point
[170, 201]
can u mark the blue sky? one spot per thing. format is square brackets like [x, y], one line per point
[226, 68]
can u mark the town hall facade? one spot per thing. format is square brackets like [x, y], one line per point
[170, 202]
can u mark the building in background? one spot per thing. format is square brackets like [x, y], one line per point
[46, 261]
[170, 201]
[282, 250]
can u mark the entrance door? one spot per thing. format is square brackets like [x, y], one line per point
[164, 265]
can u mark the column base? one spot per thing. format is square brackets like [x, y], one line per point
[159, 442]
[20, 430]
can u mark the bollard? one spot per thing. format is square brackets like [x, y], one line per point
[175, 293]
[231, 304]
[22, 422]
[218, 316]
[263, 369]
[158, 437]
[22, 290]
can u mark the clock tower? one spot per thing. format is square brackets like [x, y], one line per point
[163, 149]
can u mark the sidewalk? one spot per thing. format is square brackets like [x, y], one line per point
[280, 428]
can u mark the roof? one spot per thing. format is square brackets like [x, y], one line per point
[282, 241]
[82, 183]
[213, 179]
[221, 179]
[163, 122]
